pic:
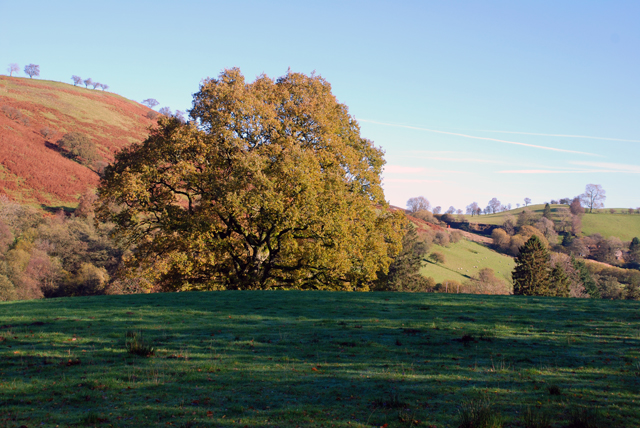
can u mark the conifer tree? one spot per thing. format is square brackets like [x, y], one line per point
[547, 211]
[560, 282]
[590, 285]
[531, 274]
[634, 250]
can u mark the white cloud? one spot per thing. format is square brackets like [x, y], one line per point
[611, 167]
[561, 135]
[554, 149]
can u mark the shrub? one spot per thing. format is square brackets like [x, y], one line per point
[152, 114]
[136, 345]
[437, 257]
[442, 239]
[479, 413]
[11, 113]
[46, 132]
[449, 286]
[79, 147]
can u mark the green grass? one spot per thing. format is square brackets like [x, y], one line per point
[464, 259]
[287, 359]
[499, 218]
[624, 226]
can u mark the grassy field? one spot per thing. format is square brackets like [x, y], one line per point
[624, 226]
[464, 259]
[288, 359]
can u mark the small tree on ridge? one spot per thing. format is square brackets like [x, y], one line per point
[32, 70]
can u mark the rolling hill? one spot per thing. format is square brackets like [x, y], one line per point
[35, 114]
[624, 226]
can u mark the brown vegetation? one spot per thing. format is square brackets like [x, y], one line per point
[32, 169]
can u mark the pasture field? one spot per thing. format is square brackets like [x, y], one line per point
[465, 259]
[624, 226]
[319, 359]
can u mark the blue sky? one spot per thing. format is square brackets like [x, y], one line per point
[470, 100]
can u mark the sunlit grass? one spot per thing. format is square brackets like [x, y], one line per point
[465, 259]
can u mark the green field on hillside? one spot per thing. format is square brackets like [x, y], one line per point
[289, 359]
[78, 102]
[464, 259]
[624, 226]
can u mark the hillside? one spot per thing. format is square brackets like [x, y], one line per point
[32, 170]
[465, 259]
[624, 226]
[315, 359]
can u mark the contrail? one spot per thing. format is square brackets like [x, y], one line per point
[479, 138]
[561, 135]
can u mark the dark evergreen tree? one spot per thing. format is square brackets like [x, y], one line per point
[634, 250]
[547, 211]
[560, 282]
[531, 274]
[567, 239]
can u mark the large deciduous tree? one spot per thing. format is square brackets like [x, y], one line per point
[593, 197]
[269, 185]
[76, 80]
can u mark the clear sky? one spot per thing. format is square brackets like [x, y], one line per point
[469, 99]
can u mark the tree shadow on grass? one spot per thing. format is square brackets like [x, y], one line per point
[292, 357]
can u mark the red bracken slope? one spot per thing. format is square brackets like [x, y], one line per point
[32, 170]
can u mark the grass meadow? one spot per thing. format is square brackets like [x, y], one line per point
[465, 259]
[323, 359]
[624, 226]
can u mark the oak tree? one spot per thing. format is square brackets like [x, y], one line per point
[87, 82]
[268, 185]
[76, 80]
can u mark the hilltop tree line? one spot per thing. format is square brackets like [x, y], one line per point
[32, 70]
[77, 80]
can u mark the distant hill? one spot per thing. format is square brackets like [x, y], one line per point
[624, 226]
[32, 169]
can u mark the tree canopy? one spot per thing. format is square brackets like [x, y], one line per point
[268, 185]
